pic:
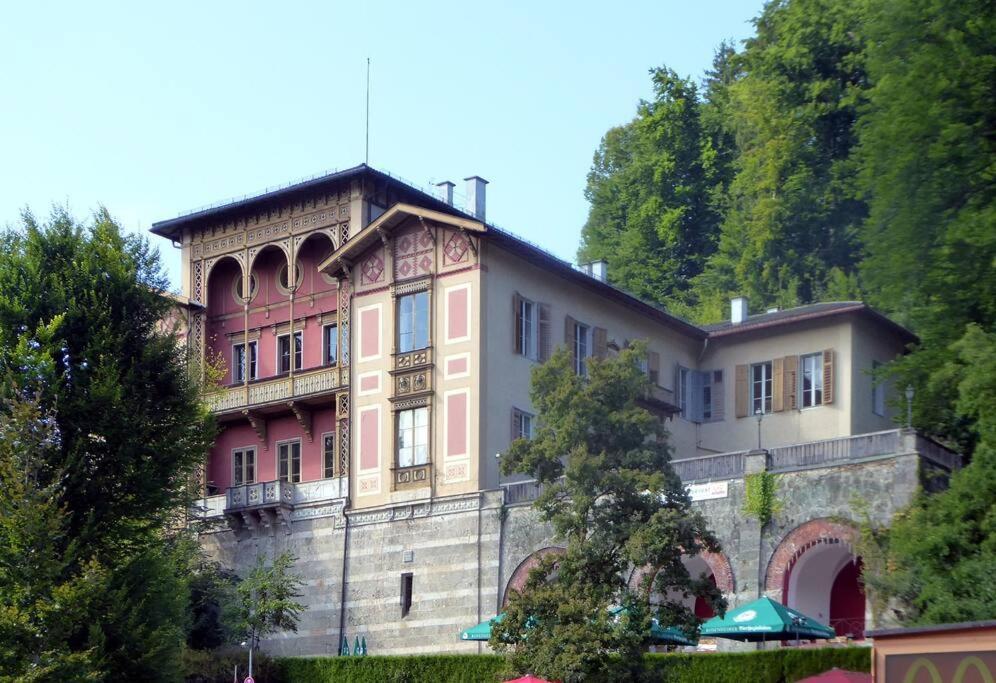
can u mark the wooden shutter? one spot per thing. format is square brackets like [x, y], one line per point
[654, 366]
[569, 325]
[741, 395]
[545, 341]
[777, 385]
[600, 338]
[516, 323]
[718, 395]
[791, 383]
[828, 373]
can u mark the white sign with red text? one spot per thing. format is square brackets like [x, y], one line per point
[710, 490]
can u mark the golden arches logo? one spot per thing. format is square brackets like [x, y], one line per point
[979, 666]
[923, 663]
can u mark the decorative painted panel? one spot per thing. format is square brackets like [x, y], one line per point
[372, 268]
[413, 254]
[456, 248]
[369, 445]
[455, 420]
[457, 313]
[370, 332]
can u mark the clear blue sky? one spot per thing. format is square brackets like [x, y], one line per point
[153, 109]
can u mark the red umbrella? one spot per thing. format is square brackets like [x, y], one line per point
[529, 679]
[836, 675]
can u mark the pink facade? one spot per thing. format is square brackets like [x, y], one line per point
[315, 306]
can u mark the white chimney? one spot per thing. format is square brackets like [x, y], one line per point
[738, 309]
[444, 191]
[597, 269]
[475, 196]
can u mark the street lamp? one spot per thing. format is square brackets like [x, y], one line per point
[760, 416]
[909, 406]
[245, 644]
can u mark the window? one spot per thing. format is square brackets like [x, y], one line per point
[413, 437]
[581, 348]
[330, 334]
[243, 466]
[525, 326]
[289, 461]
[684, 390]
[413, 322]
[282, 284]
[812, 380]
[760, 380]
[283, 352]
[328, 455]
[239, 362]
[237, 286]
[407, 586]
[878, 390]
[522, 424]
[705, 395]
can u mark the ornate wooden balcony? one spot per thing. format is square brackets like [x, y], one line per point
[236, 398]
[259, 508]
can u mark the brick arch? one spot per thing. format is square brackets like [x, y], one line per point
[808, 534]
[518, 579]
[718, 563]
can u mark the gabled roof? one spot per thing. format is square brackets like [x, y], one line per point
[799, 314]
[389, 220]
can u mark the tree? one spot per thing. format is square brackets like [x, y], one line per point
[650, 215]
[940, 554]
[612, 497]
[80, 314]
[928, 155]
[266, 599]
[40, 601]
[791, 215]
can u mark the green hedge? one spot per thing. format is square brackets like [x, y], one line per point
[414, 669]
[765, 666]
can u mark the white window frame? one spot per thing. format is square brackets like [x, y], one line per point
[878, 391]
[582, 348]
[683, 390]
[292, 365]
[242, 478]
[325, 344]
[414, 332]
[528, 328]
[290, 460]
[325, 465]
[766, 383]
[413, 429]
[807, 399]
[253, 362]
[525, 424]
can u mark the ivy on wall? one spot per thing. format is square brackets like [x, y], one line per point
[760, 501]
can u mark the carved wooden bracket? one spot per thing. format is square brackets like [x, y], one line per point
[470, 241]
[383, 236]
[428, 230]
[258, 423]
[303, 416]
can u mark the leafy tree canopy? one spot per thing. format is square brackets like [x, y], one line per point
[622, 512]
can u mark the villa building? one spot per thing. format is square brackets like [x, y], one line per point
[372, 346]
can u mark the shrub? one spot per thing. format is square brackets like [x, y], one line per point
[414, 669]
[799, 664]
[216, 666]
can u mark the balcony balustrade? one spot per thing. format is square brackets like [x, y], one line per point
[276, 390]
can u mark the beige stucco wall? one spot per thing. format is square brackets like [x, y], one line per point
[370, 488]
[787, 426]
[506, 375]
[871, 343]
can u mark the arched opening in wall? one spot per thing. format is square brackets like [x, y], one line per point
[224, 287]
[698, 567]
[310, 253]
[268, 265]
[518, 579]
[824, 582]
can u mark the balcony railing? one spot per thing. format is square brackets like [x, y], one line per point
[284, 388]
[784, 458]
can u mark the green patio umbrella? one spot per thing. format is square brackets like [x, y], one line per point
[482, 631]
[671, 636]
[765, 619]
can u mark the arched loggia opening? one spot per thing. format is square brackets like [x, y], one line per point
[815, 571]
